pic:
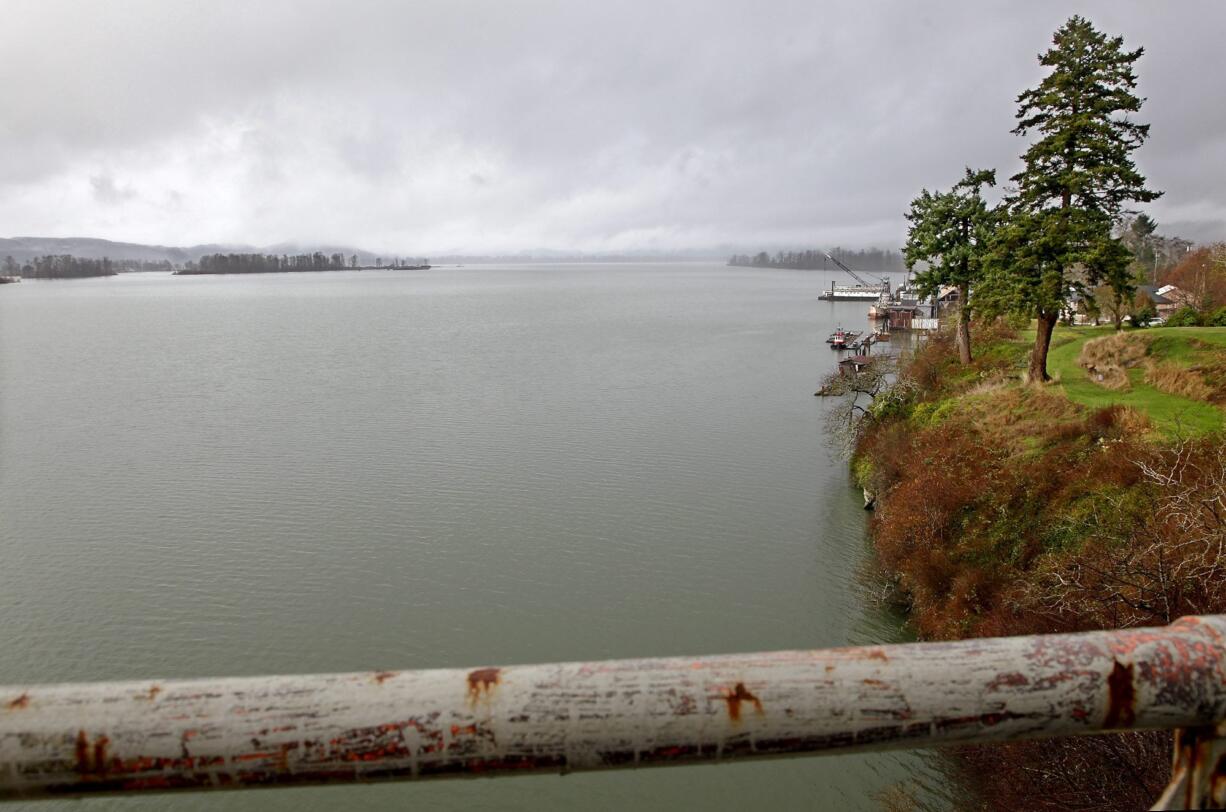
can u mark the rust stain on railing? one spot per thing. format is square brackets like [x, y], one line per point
[736, 696]
[1121, 697]
[482, 681]
[66, 740]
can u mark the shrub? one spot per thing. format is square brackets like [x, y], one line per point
[862, 471]
[1184, 317]
[1119, 771]
[930, 363]
[993, 331]
[894, 403]
[1143, 314]
[1116, 420]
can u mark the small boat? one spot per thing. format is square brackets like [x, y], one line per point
[841, 339]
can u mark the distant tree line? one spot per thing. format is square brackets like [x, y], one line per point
[125, 265]
[271, 263]
[265, 263]
[870, 259]
[58, 266]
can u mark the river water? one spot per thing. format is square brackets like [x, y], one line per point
[231, 475]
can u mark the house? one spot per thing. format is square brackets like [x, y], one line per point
[948, 295]
[1175, 297]
[854, 364]
[1164, 304]
[1082, 309]
[900, 316]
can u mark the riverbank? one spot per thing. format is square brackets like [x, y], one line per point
[1005, 508]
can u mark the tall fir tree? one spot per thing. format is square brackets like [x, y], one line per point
[1078, 178]
[950, 231]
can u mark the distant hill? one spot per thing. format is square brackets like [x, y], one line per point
[23, 249]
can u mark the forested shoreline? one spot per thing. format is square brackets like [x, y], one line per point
[868, 259]
[66, 266]
[60, 266]
[264, 263]
[298, 263]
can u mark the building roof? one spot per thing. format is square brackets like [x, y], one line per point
[1153, 294]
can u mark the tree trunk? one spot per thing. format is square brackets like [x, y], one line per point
[964, 324]
[1117, 315]
[1042, 342]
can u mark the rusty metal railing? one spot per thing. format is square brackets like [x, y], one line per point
[120, 737]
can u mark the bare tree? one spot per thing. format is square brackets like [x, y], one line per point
[861, 397]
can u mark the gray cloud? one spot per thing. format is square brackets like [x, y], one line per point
[108, 192]
[487, 126]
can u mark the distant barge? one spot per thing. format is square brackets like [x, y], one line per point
[854, 293]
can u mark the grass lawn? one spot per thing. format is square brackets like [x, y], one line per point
[1171, 414]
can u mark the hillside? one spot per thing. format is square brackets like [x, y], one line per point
[1092, 502]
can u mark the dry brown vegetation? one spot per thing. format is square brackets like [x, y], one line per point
[1099, 773]
[1175, 379]
[1108, 359]
[1005, 509]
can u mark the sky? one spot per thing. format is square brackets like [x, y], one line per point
[458, 127]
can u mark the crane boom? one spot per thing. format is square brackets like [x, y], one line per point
[853, 274]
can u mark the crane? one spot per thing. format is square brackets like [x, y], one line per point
[881, 280]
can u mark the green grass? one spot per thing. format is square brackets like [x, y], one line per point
[1171, 414]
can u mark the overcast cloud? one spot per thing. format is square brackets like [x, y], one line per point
[462, 127]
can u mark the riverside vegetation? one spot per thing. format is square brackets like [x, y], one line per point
[1058, 478]
[1004, 508]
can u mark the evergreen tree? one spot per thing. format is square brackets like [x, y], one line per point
[950, 232]
[1139, 234]
[1078, 177]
